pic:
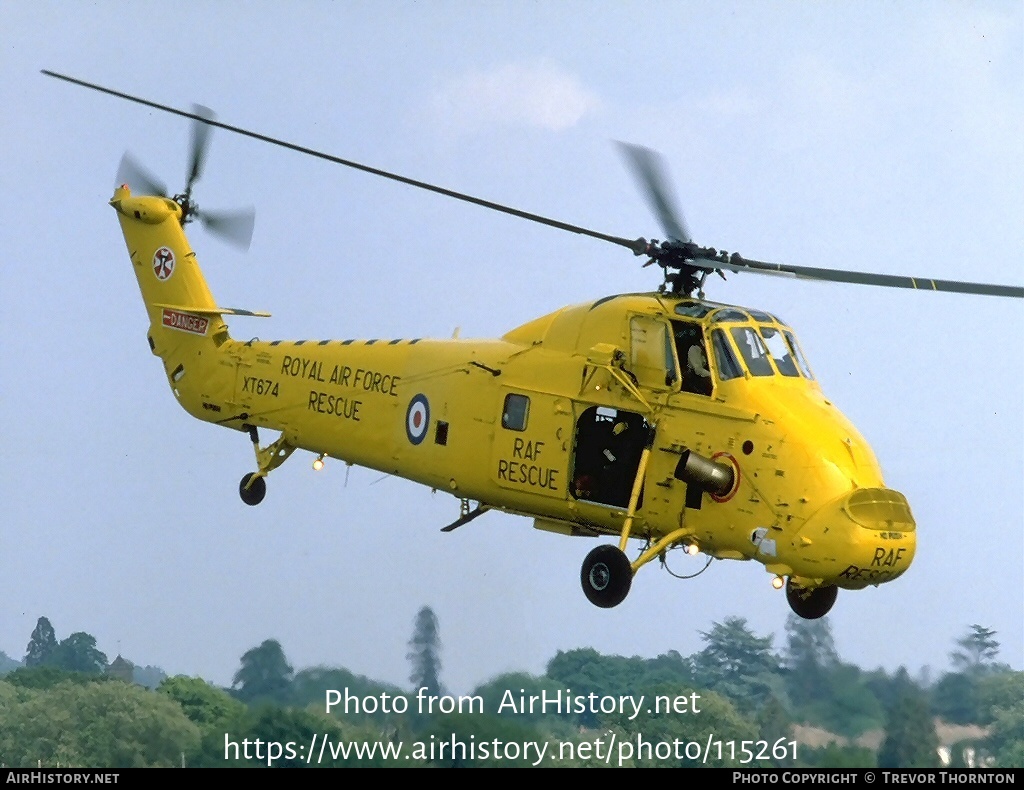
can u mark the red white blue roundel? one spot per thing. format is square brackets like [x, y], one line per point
[417, 419]
[163, 263]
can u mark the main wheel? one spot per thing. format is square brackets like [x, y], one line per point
[254, 494]
[810, 604]
[606, 576]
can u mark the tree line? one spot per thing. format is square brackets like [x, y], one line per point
[64, 704]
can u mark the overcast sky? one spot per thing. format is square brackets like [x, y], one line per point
[876, 136]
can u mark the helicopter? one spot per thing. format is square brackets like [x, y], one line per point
[664, 418]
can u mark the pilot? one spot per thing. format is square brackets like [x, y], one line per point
[697, 378]
[697, 361]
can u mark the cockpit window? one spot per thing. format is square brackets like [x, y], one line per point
[779, 349]
[693, 357]
[760, 317]
[730, 314]
[694, 309]
[795, 348]
[753, 350]
[725, 360]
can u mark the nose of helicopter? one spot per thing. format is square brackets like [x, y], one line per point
[871, 533]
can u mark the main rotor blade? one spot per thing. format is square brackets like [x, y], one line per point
[649, 170]
[233, 226]
[637, 246]
[200, 144]
[137, 177]
[651, 173]
[737, 264]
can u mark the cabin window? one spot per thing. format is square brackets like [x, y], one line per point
[779, 350]
[795, 348]
[515, 413]
[725, 360]
[693, 357]
[652, 357]
[753, 350]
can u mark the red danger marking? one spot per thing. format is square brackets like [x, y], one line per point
[163, 263]
[186, 322]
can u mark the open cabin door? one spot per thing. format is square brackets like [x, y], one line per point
[606, 454]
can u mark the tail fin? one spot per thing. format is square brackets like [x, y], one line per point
[184, 319]
[179, 303]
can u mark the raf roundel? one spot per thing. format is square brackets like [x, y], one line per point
[163, 263]
[417, 419]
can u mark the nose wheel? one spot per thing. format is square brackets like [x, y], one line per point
[606, 576]
[810, 604]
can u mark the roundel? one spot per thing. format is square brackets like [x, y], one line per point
[417, 419]
[163, 263]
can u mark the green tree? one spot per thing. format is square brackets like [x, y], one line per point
[1001, 707]
[41, 645]
[738, 664]
[475, 729]
[718, 719]
[7, 664]
[775, 726]
[586, 670]
[809, 658]
[78, 653]
[514, 687]
[1005, 742]
[834, 755]
[271, 723]
[999, 690]
[265, 674]
[425, 652]
[149, 676]
[848, 705]
[955, 697]
[978, 650]
[48, 677]
[309, 687]
[100, 724]
[212, 710]
[910, 739]
[205, 705]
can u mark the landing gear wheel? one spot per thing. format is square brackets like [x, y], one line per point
[810, 604]
[254, 494]
[606, 576]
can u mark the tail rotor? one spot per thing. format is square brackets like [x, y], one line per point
[235, 227]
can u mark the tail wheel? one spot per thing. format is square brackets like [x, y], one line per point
[606, 576]
[810, 604]
[252, 493]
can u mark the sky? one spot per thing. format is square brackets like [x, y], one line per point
[872, 136]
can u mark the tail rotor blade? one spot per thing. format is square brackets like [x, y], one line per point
[651, 173]
[138, 178]
[235, 227]
[200, 144]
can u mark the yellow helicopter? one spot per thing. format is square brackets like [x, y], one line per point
[661, 417]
